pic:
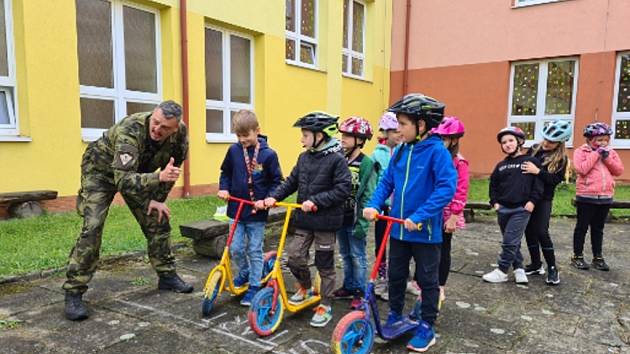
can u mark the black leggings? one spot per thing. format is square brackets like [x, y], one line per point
[593, 215]
[537, 235]
[445, 257]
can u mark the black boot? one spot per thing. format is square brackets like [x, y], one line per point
[172, 281]
[75, 308]
[600, 264]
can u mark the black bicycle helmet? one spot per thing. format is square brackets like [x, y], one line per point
[319, 122]
[418, 106]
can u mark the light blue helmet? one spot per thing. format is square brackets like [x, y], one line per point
[558, 131]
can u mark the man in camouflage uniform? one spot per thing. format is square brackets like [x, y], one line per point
[126, 159]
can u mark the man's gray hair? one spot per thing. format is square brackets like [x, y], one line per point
[171, 109]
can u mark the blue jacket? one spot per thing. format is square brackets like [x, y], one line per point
[423, 180]
[266, 177]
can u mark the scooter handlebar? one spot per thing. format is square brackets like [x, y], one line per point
[392, 219]
[294, 205]
[240, 200]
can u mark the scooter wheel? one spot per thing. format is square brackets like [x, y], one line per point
[269, 259]
[262, 318]
[353, 334]
[211, 291]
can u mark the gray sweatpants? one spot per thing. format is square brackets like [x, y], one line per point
[512, 222]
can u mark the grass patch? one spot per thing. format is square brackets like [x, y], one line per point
[562, 201]
[9, 324]
[140, 281]
[34, 244]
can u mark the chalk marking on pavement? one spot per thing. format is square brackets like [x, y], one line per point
[163, 313]
[278, 335]
[305, 344]
[208, 320]
[241, 338]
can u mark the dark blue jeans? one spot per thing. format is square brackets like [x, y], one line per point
[512, 222]
[352, 250]
[427, 259]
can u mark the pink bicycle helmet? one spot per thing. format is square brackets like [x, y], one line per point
[597, 129]
[450, 126]
[388, 121]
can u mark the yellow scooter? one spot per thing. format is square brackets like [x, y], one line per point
[221, 278]
[268, 305]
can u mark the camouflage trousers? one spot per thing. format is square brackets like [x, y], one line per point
[93, 205]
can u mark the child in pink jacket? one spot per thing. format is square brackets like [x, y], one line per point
[596, 164]
[451, 130]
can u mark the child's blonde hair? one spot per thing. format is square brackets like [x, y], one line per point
[555, 160]
[245, 121]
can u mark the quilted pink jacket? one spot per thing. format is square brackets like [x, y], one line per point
[456, 206]
[594, 175]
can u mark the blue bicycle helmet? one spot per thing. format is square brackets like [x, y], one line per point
[558, 131]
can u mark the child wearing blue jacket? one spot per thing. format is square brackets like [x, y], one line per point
[422, 177]
[250, 171]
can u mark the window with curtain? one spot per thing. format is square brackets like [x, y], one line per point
[621, 102]
[541, 92]
[353, 53]
[301, 32]
[229, 80]
[119, 62]
[8, 116]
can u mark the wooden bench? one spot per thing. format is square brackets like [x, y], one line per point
[209, 236]
[25, 204]
[616, 204]
[469, 209]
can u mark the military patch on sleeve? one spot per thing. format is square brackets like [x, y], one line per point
[125, 157]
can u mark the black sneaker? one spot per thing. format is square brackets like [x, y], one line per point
[579, 263]
[533, 269]
[600, 264]
[553, 277]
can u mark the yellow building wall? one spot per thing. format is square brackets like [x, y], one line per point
[48, 83]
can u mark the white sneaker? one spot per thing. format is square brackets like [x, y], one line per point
[496, 276]
[413, 288]
[520, 277]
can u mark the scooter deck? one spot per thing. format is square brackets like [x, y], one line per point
[398, 329]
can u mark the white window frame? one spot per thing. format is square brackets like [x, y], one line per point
[524, 3]
[226, 105]
[8, 84]
[119, 93]
[541, 118]
[351, 54]
[618, 143]
[298, 37]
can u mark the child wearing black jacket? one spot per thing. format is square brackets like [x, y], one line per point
[551, 153]
[323, 183]
[513, 195]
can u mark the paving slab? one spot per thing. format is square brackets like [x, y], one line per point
[589, 312]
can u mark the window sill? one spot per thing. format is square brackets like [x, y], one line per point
[304, 66]
[15, 139]
[220, 139]
[358, 78]
[621, 144]
[533, 3]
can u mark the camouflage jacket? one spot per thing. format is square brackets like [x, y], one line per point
[127, 160]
